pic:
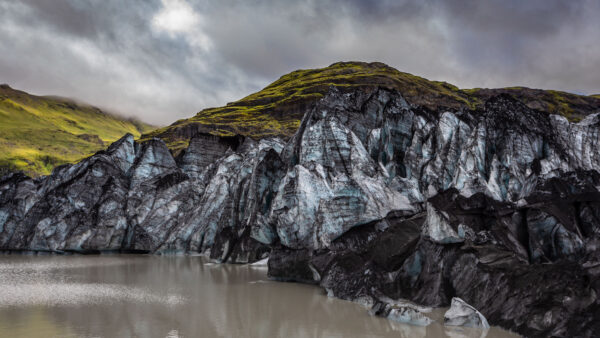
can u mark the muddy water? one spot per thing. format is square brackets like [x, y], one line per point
[150, 296]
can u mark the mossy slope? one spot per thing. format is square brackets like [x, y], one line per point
[277, 109]
[574, 107]
[38, 133]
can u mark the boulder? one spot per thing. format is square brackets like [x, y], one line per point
[463, 314]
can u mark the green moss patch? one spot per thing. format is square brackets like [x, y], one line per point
[278, 108]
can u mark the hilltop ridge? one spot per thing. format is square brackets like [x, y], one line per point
[276, 110]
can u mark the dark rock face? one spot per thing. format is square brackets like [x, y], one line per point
[462, 314]
[136, 197]
[373, 199]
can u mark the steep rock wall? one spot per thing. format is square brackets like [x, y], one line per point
[372, 198]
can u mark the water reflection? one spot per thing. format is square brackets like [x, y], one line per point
[149, 296]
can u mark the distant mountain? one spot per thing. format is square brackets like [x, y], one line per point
[276, 110]
[38, 133]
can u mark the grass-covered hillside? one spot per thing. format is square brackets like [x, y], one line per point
[38, 133]
[574, 107]
[277, 109]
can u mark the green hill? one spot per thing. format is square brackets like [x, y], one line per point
[277, 109]
[38, 133]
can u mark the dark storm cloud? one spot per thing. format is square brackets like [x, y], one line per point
[542, 43]
[166, 59]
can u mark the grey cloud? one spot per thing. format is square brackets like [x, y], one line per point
[109, 53]
[64, 16]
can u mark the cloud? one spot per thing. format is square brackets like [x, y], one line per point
[178, 17]
[162, 60]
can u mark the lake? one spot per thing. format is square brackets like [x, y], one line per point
[164, 296]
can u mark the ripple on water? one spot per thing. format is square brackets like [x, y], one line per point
[56, 294]
[34, 283]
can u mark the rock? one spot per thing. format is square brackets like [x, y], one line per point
[333, 184]
[292, 265]
[205, 149]
[262, 263]
[402, 312]
[438, 228]
[463, 314]
[372, 199]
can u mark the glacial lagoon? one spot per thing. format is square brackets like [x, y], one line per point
[183, 296]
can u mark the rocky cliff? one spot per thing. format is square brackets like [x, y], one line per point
[372, 198]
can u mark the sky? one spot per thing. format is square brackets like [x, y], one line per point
[163, 60]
